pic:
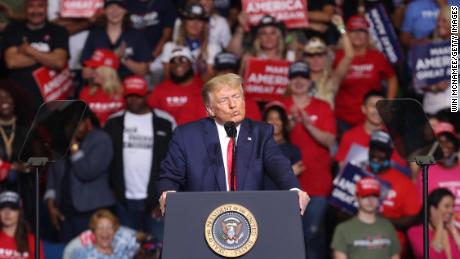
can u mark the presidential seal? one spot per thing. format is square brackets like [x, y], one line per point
[231, 230]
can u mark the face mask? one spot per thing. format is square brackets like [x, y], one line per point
[379, 167]
[450, 161]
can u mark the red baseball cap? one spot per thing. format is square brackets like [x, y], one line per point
[444, 127]
[367, 186]
[357, 23]
[103, 57]
[135, 85]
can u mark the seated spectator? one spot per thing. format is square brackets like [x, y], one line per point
[227, 62]
[446, 172]
[419, 22]
[444, 236]
[108, 241]
[313, 130]
[116, 34]
[79, 185]
[316, 53]
[401, 204]
[194, 35]
[33, 44]
[104, 94]
[367, 235]
[179, 95]
[16, 241]
[437, 97]
[275, 114]
[219, 31]
[368, 69]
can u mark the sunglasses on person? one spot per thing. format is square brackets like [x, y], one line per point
[312, 55]
[179, 60]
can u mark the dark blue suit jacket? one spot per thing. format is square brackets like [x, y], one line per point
[194, 159]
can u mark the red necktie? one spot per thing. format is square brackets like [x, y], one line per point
[229, 165]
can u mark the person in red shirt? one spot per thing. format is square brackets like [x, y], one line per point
[180, 95]
[104, 94]
[15, 239]
[401, 204]
[368, 69]
[313, 131]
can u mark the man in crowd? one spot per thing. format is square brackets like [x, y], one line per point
[32, 44]
[402, 204]
[140, 139]
[366, 235]
[194, 161]
[180, 95]
[78, 186]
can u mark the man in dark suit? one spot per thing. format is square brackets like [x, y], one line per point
[197, 151]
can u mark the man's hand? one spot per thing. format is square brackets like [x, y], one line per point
[298, 168]
[55, 214]
[304, 199]
[163, 202]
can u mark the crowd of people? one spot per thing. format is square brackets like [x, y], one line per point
[144, 68]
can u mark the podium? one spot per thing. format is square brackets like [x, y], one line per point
[246, 224]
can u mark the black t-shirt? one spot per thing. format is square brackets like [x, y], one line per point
[318, 5]
[152, 16]
[46, 39]
[136, 46]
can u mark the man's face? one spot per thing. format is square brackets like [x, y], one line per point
[368, 204]
[180, 66]
[135, 103]
[36, 12]
[226, 103]
[370, 110]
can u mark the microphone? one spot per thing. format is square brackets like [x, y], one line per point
[230, 129]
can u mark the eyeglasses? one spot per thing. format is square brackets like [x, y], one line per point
[179, 60]
[311, 55]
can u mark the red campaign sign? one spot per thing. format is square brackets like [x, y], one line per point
[266, 79]
[53, 85]
[80, 8]
[292, 12]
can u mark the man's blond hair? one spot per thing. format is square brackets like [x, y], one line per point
[230, 79]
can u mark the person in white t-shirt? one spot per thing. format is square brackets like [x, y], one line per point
[140, 139]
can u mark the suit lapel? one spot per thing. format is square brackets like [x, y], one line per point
[211, 140]
[243, 153]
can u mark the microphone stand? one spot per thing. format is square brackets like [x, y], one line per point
[230, 129]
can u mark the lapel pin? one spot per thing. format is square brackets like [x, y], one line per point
[249, 138]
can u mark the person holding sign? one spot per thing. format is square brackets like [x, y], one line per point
[33, 44]
[368, 69]
[313, 130]
[367, 235]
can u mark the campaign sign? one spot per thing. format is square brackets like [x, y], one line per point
[266, 79]
[53, 85]
[430, 64]
[80, 8]
[344, 185]
[383, 34]
[293, 13]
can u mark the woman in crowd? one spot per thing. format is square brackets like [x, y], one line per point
[115, 34]
[444, 237]
[16, 241]
[193, 33]
[313, 130]
[104, 225]
[275, 114]
[104, 93]
[327, 80]
[368, 69]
